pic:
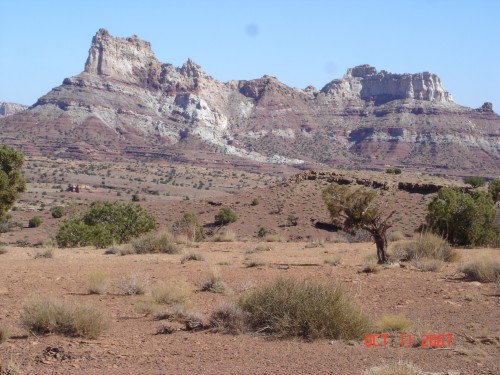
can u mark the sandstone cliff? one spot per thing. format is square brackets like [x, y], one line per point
[126, 102]
[7, 109]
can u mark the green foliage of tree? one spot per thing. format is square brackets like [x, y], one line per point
[12, 183]
[475, 181]
[105, 223]
[190, 226]
[494, 190]
[354, 209]
[463, 219]
[225, 216]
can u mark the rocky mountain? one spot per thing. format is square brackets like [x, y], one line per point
[7, 109]
[128, 104]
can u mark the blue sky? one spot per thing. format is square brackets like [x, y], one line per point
[300, 42]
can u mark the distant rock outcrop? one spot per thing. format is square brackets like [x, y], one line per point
[8, 109]
[127, 103]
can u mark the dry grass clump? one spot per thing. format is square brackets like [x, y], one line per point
[393, 323]
[171, 293]
[160, 242]
[314, 243]
[179, 313]
[482, 269]
[311, 310]
[4, 334]
[254, 262]
[428, 265]
[47, 254]
[3, 250]
[397, 236]
[227, 235]
[427, 245]
[400, 368]
[229, 318]
[192, 256]
[333, 261]
[215, 284]
[97, 282]
[275, 238]
[134, 284]
[44, 315]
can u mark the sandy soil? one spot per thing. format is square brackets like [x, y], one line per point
[435, 302]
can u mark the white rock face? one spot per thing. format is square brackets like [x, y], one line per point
[7, 109]
[364, 82]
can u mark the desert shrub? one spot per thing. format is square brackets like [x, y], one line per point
[293, 220]
[397, 236]
[44, 315]
[494, 190]
[463, 219]
[47, 254]
[225, 216]
[133, 284]
[34, 222]
[171, 293]
[475, 181]
[105, 223]
[4, 334]
[97, 282]
[189, 225]
[254, 262]
[400, 368]
[57, 212]
[393, 323]
[262, 232]
[192, 256]
[393, 171]
[307, 309]
[482, 269]
[215, 284]
[428, 265]
[178, 313]
[427, 245]
[333, 261]
[3, 250]
[136, 198]
[226, 236]
[161, 242]
[229, 318]
[255, 202]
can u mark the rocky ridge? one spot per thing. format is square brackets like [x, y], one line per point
[7, 109]
[127, 103]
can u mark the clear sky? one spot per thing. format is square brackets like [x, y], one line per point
[308, 42]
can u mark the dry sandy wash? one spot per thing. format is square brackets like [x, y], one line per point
[435, 302]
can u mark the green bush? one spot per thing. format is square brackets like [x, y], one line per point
[462, 218]
[393, 171]
[57, 212]
[262, 232]
[12, 182]
[311, 310]
[225, 216]
[105, 223]
[293, 220]
[475, 181]
[34, 222]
